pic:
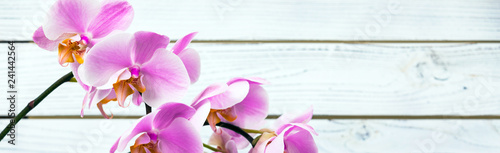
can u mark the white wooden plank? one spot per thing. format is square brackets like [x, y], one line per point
[290, 19]
[372, 136]
[337, 79]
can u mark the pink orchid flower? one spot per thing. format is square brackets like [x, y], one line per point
[147, 44]
[241, 101]
[139, 63]
[293, 135]
[224, 141]
[73, 26]
[173, 127]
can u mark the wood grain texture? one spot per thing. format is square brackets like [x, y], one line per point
[289, 19]
[336, 79]
[346, 136]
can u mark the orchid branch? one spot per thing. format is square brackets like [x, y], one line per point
[234, 128]
[211, 148]
[34, 103]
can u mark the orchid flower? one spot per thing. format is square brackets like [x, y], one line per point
[292, 135]
[139, 64]
[223, 141]
[241, 101]
[189, 57]
[73, 26]
[173, 127]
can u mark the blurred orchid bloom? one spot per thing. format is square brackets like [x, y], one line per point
[241, 101]
[139, 63]
[173, 127]
[73, 26]
[189, 57]
[293, 135]
[223, 141]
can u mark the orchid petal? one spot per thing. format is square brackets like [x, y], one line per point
[114, 15]
[210, 91]
[286, 118]
[144, 124]
[146, 44]
[51, 45]
[170, 111]
[200, 116]
[180, 137]
[182, 43]
[277, 145]
[136, 98]
[253, 109]
[165, 78]
[70, 16]
[191, 60]
[235, 93]
[106, 59]
[299, 141]
[251, 80]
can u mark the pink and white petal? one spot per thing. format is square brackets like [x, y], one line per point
[306, 127]
[143, 139]
[51, 45]
[182, 43]
[180, 137]
[200, 116]
[136, 98]
[277, 145]
[299, 141]
[235, 93]
[286, 118]
[210, 91]
[231, 147]
[146, 44]
[170, 111]
[74, 68]
[113, 15]
[253, 109]
[216, 138]
[144, 124]
[105, 59]
[165, 79]
[191, 60]
[70, 16]
[115, 146]
[251, 80]
[100, 94]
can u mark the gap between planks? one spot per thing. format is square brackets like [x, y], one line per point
[315, 41]
[327, 117]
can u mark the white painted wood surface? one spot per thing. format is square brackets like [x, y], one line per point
[290, 19]
[337, 79]
[345, 136]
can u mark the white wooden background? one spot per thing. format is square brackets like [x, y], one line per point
[451, 74]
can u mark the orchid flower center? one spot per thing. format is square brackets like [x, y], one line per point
[229, 114]
[71, 51]
[125, 87]
[151, 147]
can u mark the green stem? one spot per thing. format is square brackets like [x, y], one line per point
[234, 128]
[211, 148]
[35, 102]
[252, 131]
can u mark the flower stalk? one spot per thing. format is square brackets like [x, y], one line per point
[34, 103]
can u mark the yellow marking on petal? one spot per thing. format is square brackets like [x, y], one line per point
[228, 114]
[122, 90]
[69, 48]
[152, 147]
[99, 105]
[213, 118]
